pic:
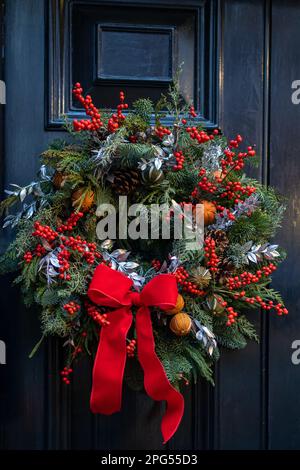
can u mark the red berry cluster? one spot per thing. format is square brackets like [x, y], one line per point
[179, 160]
[236, 162]
[239, 162]
[71, 308]
[90, 110]
[192, 112]
[28, 257]
[161, 131]
[63, 258]
[44, 231]
[227, 212]
[39, 250]
[65, 375]
[246, 278]
[234, 190]
[88, 250]
[231, 317]
[228, 160]
[93, 312]
[130, 348]
[116, 119]
[280, 309]
[71, 222]
[234, 143]
[265, 305]
[133, 139]
[187, 286]
[250, 151]
[156, 264]
[268, 270]
[204, 184]
[210, 254]
[200, 136]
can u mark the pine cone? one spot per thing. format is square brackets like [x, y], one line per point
[125, 181]
[221, 240]
[222, 244]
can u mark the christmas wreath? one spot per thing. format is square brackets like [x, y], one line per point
[176, 304]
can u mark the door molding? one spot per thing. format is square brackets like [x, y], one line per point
[2, 87]
[204, 81]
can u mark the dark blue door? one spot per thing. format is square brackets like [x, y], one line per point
[240, 60]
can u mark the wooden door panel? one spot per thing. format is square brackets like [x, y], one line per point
[239, 393]
[284, 377]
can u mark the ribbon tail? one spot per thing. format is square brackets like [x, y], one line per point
[156, 382]
[109, 365]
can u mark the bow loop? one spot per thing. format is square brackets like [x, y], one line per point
[109, 288]
[160, 292]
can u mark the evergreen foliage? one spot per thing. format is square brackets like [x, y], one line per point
[87, 164]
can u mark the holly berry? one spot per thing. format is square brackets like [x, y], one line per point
[39, 250]
[117, 118]
[231, 316]
[179, 160]
[156, 264]
[44, 231]
[63, 259]
[247, 277]
[257, 300]
[161, 131]
[94, 313]
[71, 222]
[81, 246]
[71, 308]
[200, 136]
[251, 152]
[182, 277]
[65, 375]
[205, 184]
[130, 348]
[235, 190]
[28, 257]
[95, 122]
[212, 259]
[192, 112]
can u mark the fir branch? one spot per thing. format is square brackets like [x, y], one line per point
[183, 182]
[195, 308]
[258, 227]
[130, 154]
[53, 323]
[228, 337]
[201, 362]
[246, 328]
[144, 109]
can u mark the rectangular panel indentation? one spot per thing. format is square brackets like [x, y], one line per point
[134, 53]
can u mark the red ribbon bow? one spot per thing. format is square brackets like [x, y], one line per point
[110, 288]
